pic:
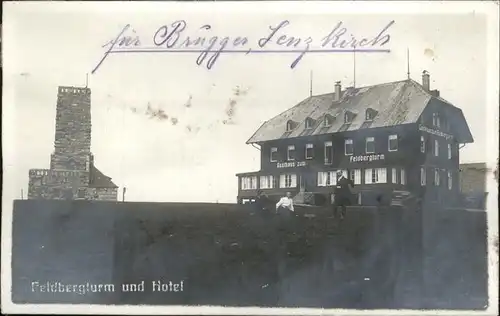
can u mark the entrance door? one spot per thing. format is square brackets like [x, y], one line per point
[302, 183]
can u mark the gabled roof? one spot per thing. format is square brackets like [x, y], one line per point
[400, 102]
[99, 179]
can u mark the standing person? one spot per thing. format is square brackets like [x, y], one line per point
[285, 205]
[342, 194]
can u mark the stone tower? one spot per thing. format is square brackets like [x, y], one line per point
[72, 174]
[73, 130]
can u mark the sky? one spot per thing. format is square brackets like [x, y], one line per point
[195, 156]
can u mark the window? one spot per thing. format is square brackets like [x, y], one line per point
[347, 118]
[381, 175]
[328, 153]
[450, 180]
[393, 142]
[436, 177]
[249, 183]
[375, 175]
[309, 151]
[288, 181]
[290, 152]
[422, 144]
[370, 145]
[267, 182]
[328, 121]
[327, 178]
[370, 176]
[423, 176]
[355, 176]
[403, 176]
[348, 147]
[369, 115]
[435, 120]
[309, 123]
[289, 126]
[274, 154]
[394, 175]
[449, 151]
[436, 148]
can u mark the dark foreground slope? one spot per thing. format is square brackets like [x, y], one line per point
[228, 255]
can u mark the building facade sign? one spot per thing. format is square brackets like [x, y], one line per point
[367, 158]
[435, 132]
[291, 164]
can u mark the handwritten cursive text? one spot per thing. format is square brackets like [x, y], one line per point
[175, 38]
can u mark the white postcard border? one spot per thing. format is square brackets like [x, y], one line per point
[372, 7]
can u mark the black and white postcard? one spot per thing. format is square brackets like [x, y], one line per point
[250, 157]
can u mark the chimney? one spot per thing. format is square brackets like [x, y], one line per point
[426, 80]
[338, 89]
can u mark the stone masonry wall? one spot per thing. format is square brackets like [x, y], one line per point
[57, 185]
[102, 194]
[63, 185]
[73, 130]
[473, 180]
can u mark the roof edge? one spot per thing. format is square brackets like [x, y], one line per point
[249, 142]
[96, 170]
[368, 86]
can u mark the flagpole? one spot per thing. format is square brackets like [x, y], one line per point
[354, 67]
[311, 84]
[408, 62]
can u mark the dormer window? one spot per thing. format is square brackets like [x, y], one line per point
[328, 121]
[370, 114]
[309, 123]
[348, 117]
[290, 125]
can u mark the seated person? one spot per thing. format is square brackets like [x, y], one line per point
[285, 205]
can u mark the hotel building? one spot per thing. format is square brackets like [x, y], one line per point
[397, 136]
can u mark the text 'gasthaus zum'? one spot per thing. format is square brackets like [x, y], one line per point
[209, 44]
